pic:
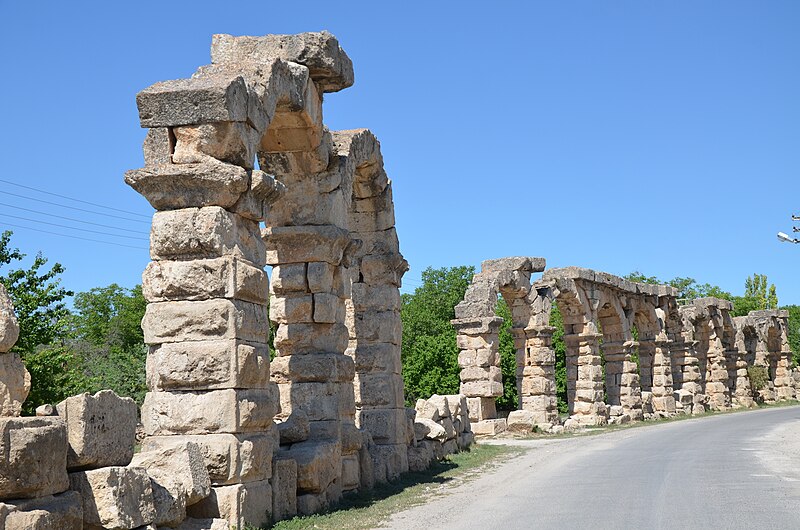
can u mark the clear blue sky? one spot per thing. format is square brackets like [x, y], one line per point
[618, 135]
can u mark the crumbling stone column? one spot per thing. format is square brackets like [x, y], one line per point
[479, 359]
[536, 369]
[585, 378]
[662, 388]
[716, 387]
[647, 348]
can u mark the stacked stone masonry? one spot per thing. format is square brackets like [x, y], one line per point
[632, 352]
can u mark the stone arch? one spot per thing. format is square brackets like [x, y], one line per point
[478, 326]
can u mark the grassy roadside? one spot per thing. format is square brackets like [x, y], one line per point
[369, 508]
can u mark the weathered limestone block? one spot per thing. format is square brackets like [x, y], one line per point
[387, 426]
[158, 146]
[328, 308]
[228, 458]
[375, 298]
[115, 497]
[383, 269]
[255, 203]
[303, 338]
[183, 462]
[9, 327]
[208, 365]
[481, 408]
[313, 367]
[303, 244]
[209, 232]
[521, 421]
[379, 357]
[201, 183]
[217, 411]
[295, 428]
[101, 429]
[284, 488]
[205, 320]
[489, 427]
[53, 512]
[378, 326]
[205, 99]
[466, 439]
[169, 501]
[33, 457]
[425, 428]
[46, 410]
[350, 478]
[320, 401]
[378, 389]
[290, 278]
[485, 389]
[426, 410]
[389, 461]
[318, 464]
[15, 383]
[231, 142]
[420, 457]
[329, 66]
[240, 504]
[226, 277]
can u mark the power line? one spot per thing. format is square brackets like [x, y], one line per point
[73, 199]
[71, 219]
[74, 208]
[74, 237]
[71, 227]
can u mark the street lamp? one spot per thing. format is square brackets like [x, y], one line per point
[786, 239]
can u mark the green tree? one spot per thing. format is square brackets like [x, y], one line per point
[758, 295]
[429, 351]
[39, 303]
[794, 331]
[108, 338]
[508, 359]
[557, 321]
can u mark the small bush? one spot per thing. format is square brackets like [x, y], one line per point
[759, 377]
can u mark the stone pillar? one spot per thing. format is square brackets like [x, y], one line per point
[536, 369]
[585, 375]
[479, 359]
[743, 395]
[647, 349]
[622, 379]
[691, 394]
[662, 389]
[784, 387]
[716, 387]
[15, 381]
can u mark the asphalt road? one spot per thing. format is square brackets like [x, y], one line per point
[726, 471]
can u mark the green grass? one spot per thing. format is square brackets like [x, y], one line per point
[368, 509]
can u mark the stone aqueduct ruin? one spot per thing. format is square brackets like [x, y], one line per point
[232, 437]
[691, 358]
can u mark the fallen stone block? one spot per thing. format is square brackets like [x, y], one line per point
[378, 390]
[426, 410]
[33, 457]
[450, 447]
[284, 488]
[420, 457]
[521, 421]
[350, 478]
[208, 365]
[101, 429]
[489, 427]
[53, 512]
[389, 461]
[15, 384]
[216, 411]
[169, 500]
[294, 428]
[240, 504]
[183, 462]
[425, 428]
[387, 426]
[311, 503]
[228, 458]
[465, 440]
[204, 524]
[318, 464]
[115, 497]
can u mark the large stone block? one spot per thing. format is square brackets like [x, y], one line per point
[202, 279]
[389, 461]
[205, 320]
[373, 298]
[231, 142]
[115, 497]
[15, 383]
[318, 464]
[350, 472]
[383, 269]
[242, 505]
[33, 457]
[482, 389]
[208, 365]
[313, 367]
[9, 327]
[378, 390]
[522, 421]
[302, 338]
[329, 66]
[204, 99]
[289, 278]
[295, 428]
[320, 401]
[209, 232]
[377, 326]
[204, 524]
[387, 426]
[53, 512]
[228, 458]
[420, 457]
[376, 357]
[195, 185]
[216, 411]
[284, 488]
[292, 308]
[425, 428]
[101, 429]
[183, 462]
[303, 244]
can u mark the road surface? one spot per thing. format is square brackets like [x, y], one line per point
[729, 471]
